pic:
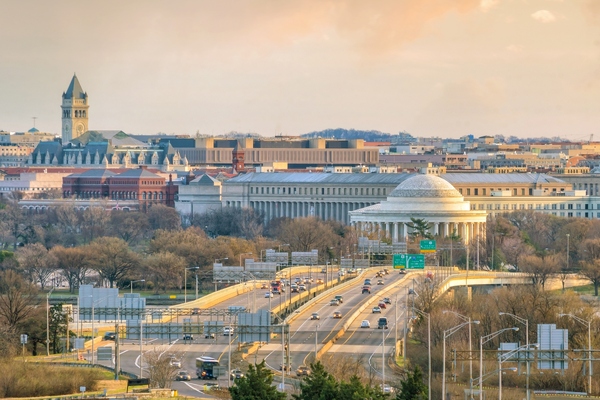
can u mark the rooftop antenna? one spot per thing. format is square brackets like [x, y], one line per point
[34, 118]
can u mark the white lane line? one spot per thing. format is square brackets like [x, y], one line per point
[193, 388]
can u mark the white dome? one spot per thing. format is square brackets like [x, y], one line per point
[429, 186]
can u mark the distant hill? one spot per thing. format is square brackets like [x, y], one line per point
[369, 136]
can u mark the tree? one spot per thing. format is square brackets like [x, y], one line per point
[256, 385]
[355, 390]
[591, 270]
[58, 322]
[319, 385]
[231, 221]
[112, 258]
[420, 228]
[413, 388]
[306, 234]
[73, 263]
[94, 223]
[163, 217]
[161, 371]
[540, 268]
[164, 270]
[129, 226]
[37, 263]
[17, 298]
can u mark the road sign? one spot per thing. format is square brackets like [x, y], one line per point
[399, 261]
[415, 261]
[23, 339]
[428, 246]
[105, 353]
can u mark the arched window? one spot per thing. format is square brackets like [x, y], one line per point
[144, 195]
[160, 195]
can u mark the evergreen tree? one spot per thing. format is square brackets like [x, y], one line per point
[319, 385]
[413, 388]
[420, 228]
[256, 385]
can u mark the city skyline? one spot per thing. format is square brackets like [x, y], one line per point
[447, 68]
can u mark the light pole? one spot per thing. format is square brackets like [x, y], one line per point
[185, 282]
[506, 357]
[525, 322]
[243, 254]
[568, 236]
[447, 333]
[316, 340]
[132, 282]
[494, 373]
[482, 340]
[48, 322]
[428, 316]
[466, 319]
[589, 325]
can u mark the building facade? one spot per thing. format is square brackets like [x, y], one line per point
[75, 109]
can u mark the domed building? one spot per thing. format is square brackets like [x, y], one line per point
[426, 197]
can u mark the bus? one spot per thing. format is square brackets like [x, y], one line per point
[205, 367]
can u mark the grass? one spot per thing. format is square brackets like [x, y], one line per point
[586, 290]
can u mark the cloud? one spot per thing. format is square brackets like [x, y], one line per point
[515, 48]
[543, 16]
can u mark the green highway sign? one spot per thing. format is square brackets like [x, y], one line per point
[428, 246]
[409, 261]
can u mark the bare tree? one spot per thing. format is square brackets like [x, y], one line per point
[17, 298]
[540, 268]
[36, 262]
[112, 258]
[164, 270]
[161, 371]
[591, 270]
[163, 217]
[94, 222]
[73, 263]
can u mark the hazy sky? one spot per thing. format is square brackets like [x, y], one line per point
[428, 67]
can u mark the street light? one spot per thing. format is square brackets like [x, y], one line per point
[185, 283]
[244, 254]
[466, 319]
[316, 340]
[514, 369]
[447, 333]
[589, 325]
[525, 322]
[48, 322]
[482, 340]
[428, 316]
[506, 357]
[132, 282]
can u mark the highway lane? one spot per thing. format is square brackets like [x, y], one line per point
[304, 330]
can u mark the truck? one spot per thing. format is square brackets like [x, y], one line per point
[382, 323]
[205, 367]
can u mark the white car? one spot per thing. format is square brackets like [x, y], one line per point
[365, 324]
[176, 363]
[376, 310]
[268, 295]
[228, 331]
[334, 302]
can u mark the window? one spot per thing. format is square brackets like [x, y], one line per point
[484, 191]
[476, 192]
[570, 206]
[468, 191]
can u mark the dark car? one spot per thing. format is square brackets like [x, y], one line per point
[366, 289]
[188, 336]
[236, 374]
[387, 300]
[195, 311]
[110, 336]
[183, 376]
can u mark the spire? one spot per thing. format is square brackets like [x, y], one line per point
[75, 90]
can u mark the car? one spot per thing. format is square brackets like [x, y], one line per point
[337, 314]
[339, 298]
[367, 282]
[387, 300]
[376, 310]
[342, 273]
[268, 295]
[236, 374]
[380, 282]
[302, 371]
[188, 336]
[334, 302]
[209, 335]
[295, 289]
[366, 289]
[365, 324]
[264, 286]
[302, 288]
[183, 376]
[315, 316]
[306, 280]
[228, 331]
[110, 336]
[386, 271]
[323, 270]
[402, 272]
[378, 275]
[176, 363]
[275, 291]
[297, 279]
[320, 281]
[411, 291]
[381, 305]
[382, 323]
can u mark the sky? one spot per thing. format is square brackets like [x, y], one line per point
[445, 68]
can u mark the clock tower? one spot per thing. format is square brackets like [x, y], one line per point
[74, 111]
